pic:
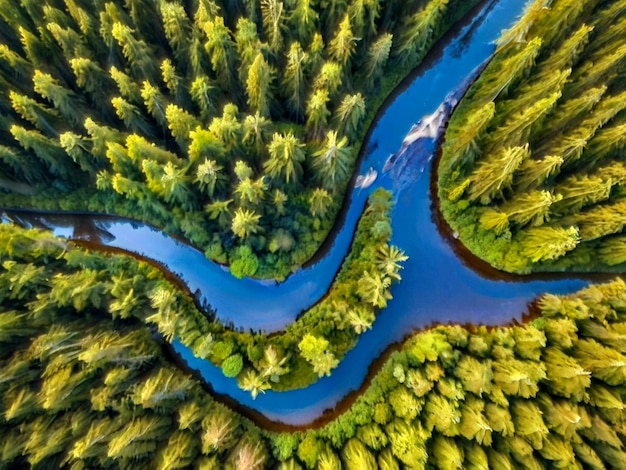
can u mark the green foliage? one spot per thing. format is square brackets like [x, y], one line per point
[259, 362]
[551, 390]
[86, 384]
[245, 263]
[315, 350]
[207, 83]
[535, 142]
[232, 365]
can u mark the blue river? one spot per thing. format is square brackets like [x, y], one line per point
[436, 286]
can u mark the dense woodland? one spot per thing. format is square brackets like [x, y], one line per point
[232, 123]
[85, 383]
[532, 173]
[186, 115]
[62, 275]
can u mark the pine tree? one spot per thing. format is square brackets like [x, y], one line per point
[162, 390]
[388, 259]
[155, 102]
[219, 210]
[259, 86]
[328, 79]
[221, 50]
[248, 46]
[532, 208]
[350, 114]
[613, 251]
[377, 57]
[44, 119]
[332, 161]
[286, 155]
[447, 453]
[177, 28]
[319, 202]
[374, 288]
[79, 149]
[126, 86]
[139, 437]
[495, 174]
[181, 451]
[274, 23]
[245, 223]
[255, 130]
[250, 192]
[407, 441]
[172, 80]
[64, 100]
[304, 20]
[93, 80]
[209, 176]
[249, 453]
[418, 30]
[219, 430]
[294, 80]
[547, 243]
[254, 383]
[132, 116]
[506, 70]
[496, 221]
[317, 113]
[532, 173]
[604, 363]
[47, 150]
[357, 456]
[203, 95]
[476, 376]
[136, 51]
[565, 376]
[579, 192]
[343, 44]
[316, 351]
[180, 123]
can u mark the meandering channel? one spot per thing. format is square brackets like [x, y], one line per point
[437, 287]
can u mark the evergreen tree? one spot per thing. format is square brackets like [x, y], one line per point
[245, 223]
[286, 155]
[343, 44]
[350, 115]
[294, 79]
[259, 86]
[332, 161]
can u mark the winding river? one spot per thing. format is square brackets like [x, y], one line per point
[436, 287]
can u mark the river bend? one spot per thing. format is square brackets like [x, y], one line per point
[436, 286]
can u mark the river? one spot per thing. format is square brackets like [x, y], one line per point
[436, 287]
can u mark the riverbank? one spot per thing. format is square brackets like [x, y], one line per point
[205, 182]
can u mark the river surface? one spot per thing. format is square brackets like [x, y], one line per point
[436, 286]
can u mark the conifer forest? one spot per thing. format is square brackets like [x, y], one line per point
[253, 134]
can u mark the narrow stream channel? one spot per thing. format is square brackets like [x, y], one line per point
[436, 286]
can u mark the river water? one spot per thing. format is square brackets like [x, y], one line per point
[436, 286]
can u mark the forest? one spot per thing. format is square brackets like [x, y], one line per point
[87, 383]
[532, 172]
[235, 125]
[238, 126]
